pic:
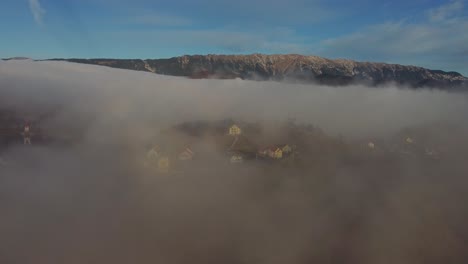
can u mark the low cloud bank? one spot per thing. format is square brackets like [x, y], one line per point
[110, 94]
[91, 202]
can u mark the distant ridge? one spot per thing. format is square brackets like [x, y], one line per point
[16, 58]
[290, 67]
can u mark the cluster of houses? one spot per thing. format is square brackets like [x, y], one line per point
[239, 149]
[276, 152]
[272, 152]
[236, 152]
[237, 146]
[406, 146]
[373, 145]
[160, 160]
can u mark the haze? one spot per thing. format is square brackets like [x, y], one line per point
[91, 203]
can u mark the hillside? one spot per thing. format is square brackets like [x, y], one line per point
[309, 69]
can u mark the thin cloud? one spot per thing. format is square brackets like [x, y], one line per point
[446, 12]
[37, 11]
[258, 12]
[232, 40]
[428, 44]
[163, 20]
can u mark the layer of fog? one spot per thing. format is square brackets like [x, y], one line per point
[125, 95]
[89, 203]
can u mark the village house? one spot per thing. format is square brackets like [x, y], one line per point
[153, 153]
[234, 130]
[286, 149]
[409, 140]
[163, 164]
[375, 147]
[186, 154]
[236, 158]
[262, 152]
[273, 152]
[27, 134]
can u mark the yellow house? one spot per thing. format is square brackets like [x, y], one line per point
[163, 164]
[278, 154]
[275, 153]
[286, 149]
[409, 140]
[234, 130]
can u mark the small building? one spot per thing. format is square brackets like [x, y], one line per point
[371, 145]
[27, 134]
[234, 130]
[262, 152]
[186, 154]
[153, 153]
[163, 164]
[409, 140]
[236, 159]
[273, 152]
[430, 152]
[286, 149]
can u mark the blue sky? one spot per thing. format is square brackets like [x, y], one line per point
[427, 33]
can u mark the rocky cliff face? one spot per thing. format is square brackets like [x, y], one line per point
[291, 68]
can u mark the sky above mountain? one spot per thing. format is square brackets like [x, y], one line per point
[426, 33]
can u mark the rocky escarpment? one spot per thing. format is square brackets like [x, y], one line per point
[290, 67]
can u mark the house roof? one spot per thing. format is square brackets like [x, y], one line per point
[271, 148]
[154, 148]
[187, 150]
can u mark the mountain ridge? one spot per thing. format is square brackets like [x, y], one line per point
[289, 67]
